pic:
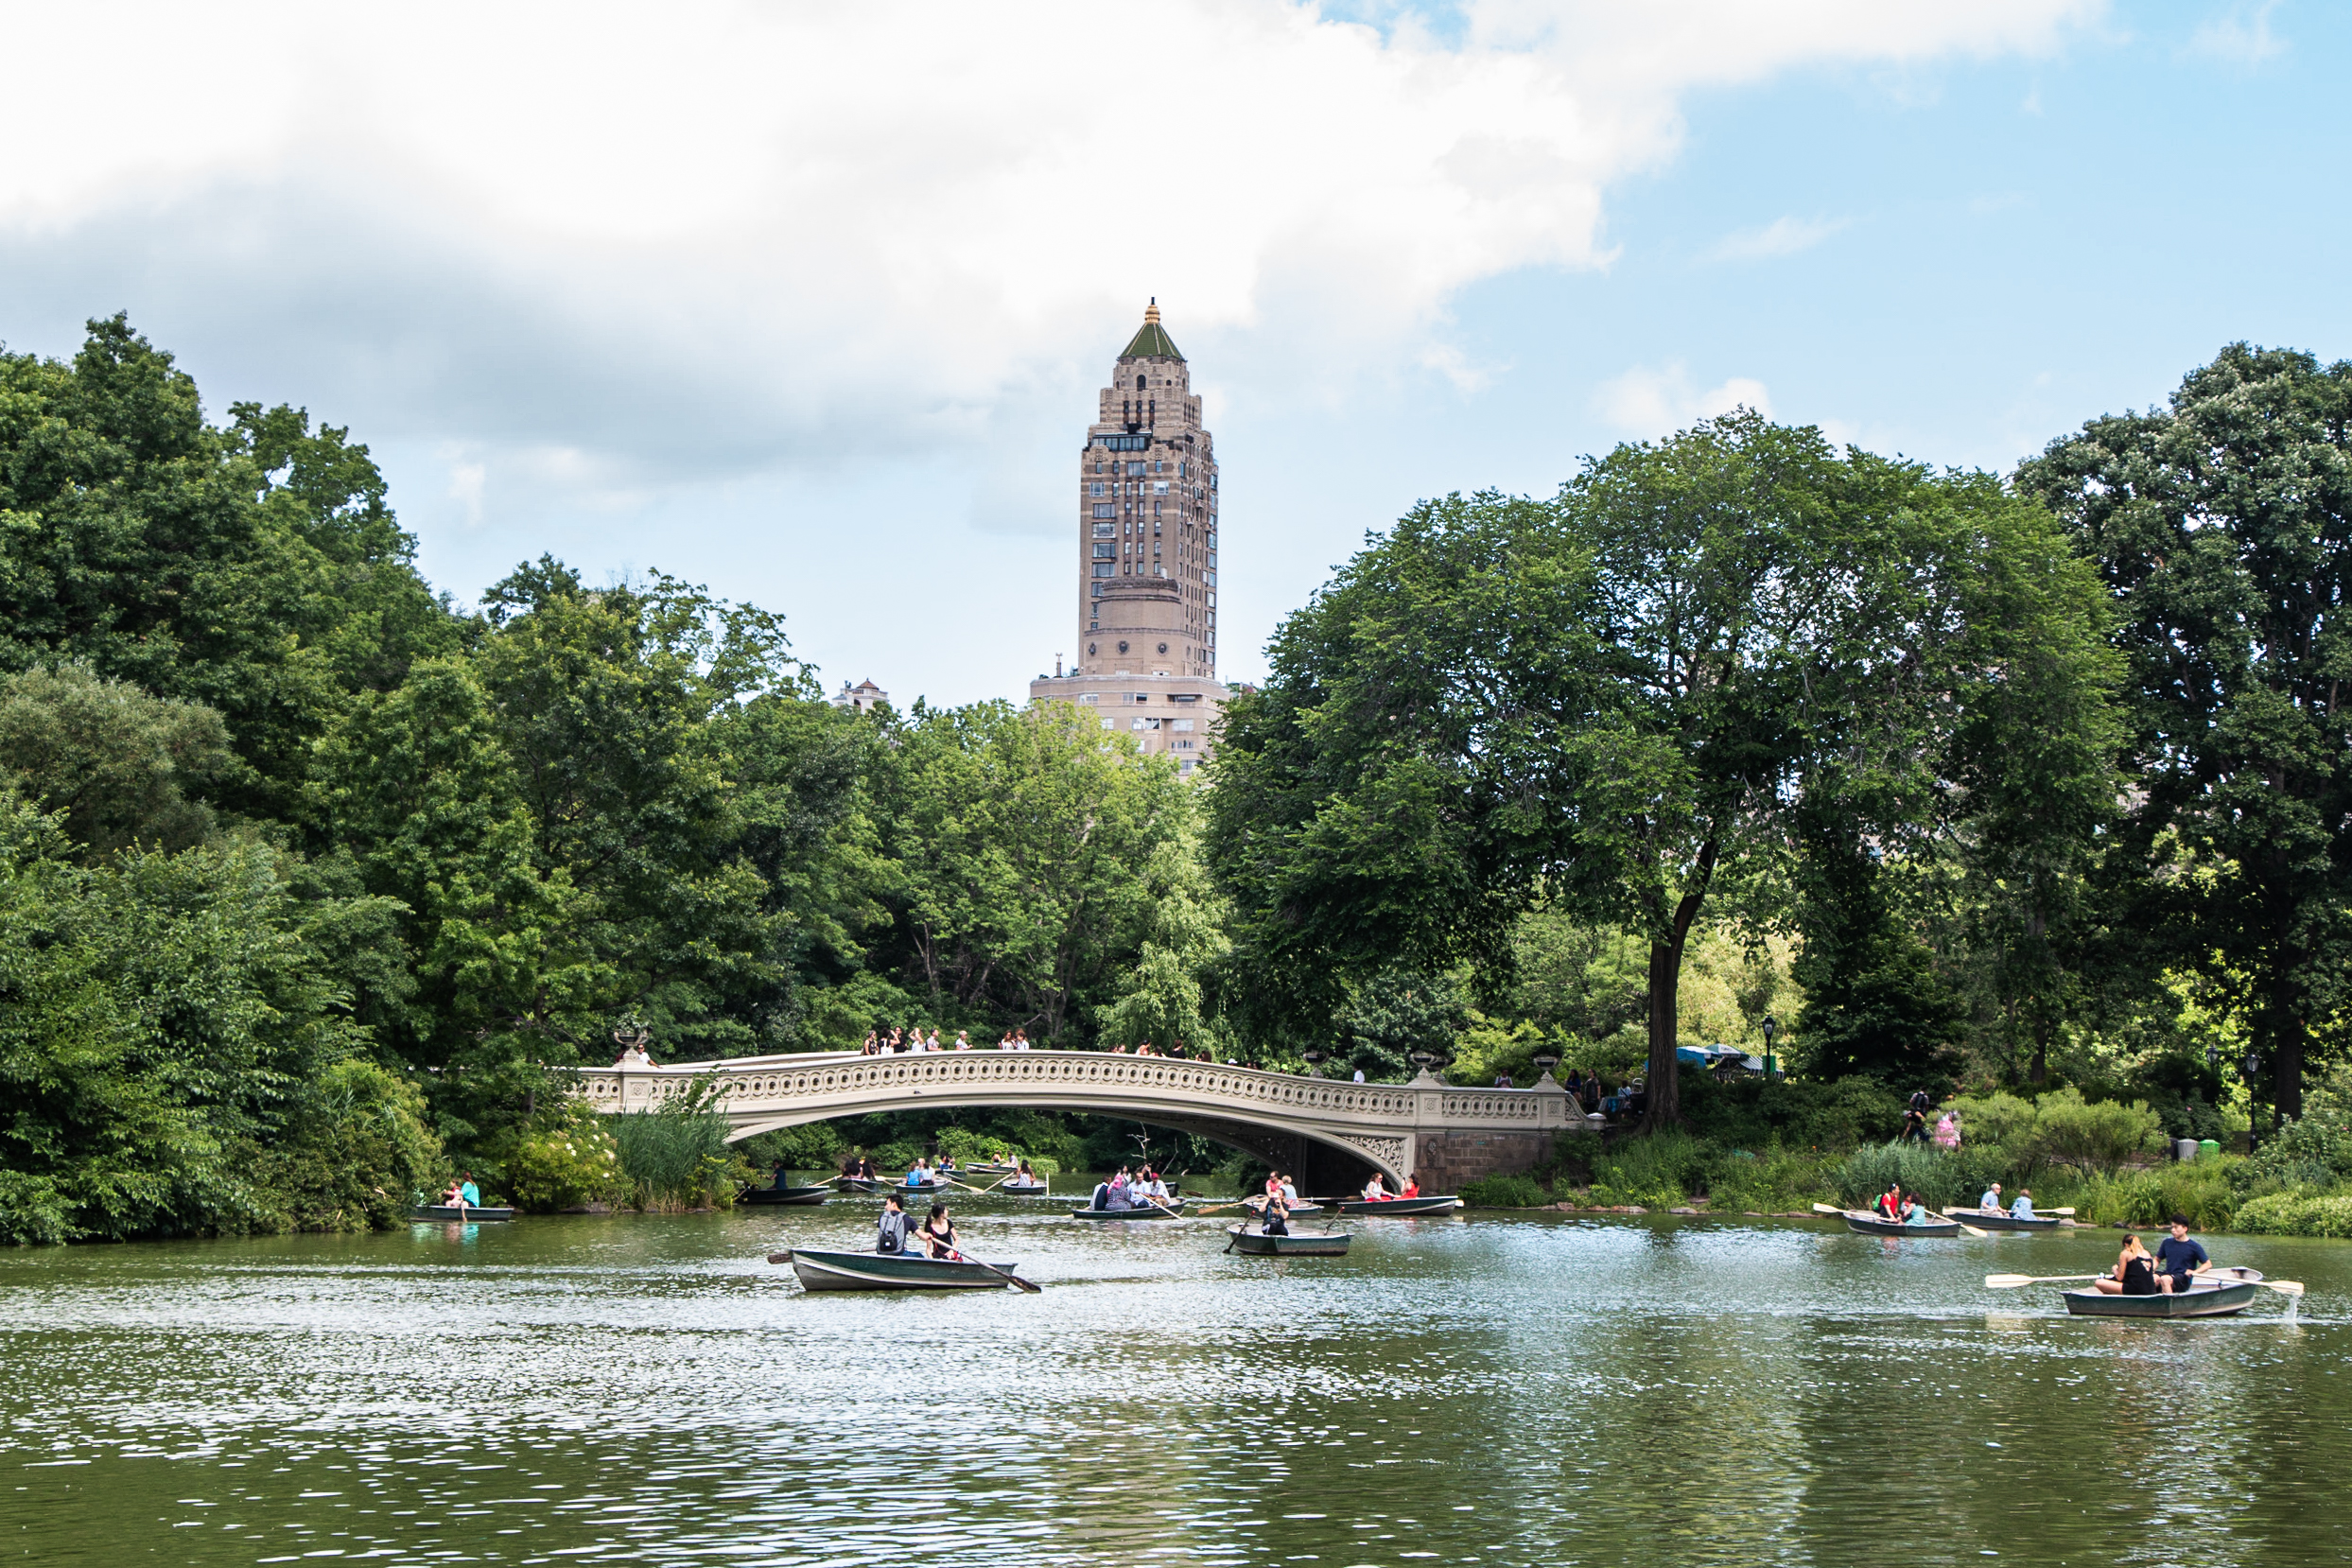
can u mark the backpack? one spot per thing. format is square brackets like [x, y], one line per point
[891, 1236]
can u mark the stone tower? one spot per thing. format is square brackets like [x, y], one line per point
[1147, 557]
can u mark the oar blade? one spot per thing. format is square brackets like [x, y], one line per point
[2284, 1287]
[2007, 1282]
[1826, 1209]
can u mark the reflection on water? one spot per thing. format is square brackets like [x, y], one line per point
[1490, 1389]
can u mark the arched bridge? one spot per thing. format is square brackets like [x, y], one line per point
[1444, 1134]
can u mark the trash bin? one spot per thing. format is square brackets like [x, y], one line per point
[2208, 1149]
[2185, 1149]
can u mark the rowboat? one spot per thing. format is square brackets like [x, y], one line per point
[1879, 1224]
[2216, 1301]
[863, 1184]
[807, 1197]
[1150, 1214]
[2001, 1219]
[1302, 1243]
[1023, 1189]
[451, 1212]
[1395, 1208]
[989, 1167]
[888, 1271]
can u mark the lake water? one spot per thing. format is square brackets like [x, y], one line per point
[1482, 1389]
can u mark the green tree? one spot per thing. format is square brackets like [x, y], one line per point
[2222, 526]
[1026, 845]
[112, 757]
[254, 570]
[1703, 652]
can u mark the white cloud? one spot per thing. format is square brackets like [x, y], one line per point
[2239, 36]
[1783, 237]
[1646, 402]
[467, 482]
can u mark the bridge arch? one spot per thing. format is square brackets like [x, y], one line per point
[1426, 1128]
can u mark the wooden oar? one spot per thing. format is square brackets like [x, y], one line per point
[1949, 1220]
[2011, 1281]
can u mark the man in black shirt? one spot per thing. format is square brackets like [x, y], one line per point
[2178, 1259]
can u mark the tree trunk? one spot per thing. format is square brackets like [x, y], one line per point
[1666, 984]
[2286, 1039]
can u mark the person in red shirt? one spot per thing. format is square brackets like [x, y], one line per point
[1412, 1186]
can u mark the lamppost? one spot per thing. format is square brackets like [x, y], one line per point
[1314, 1061]
[1771, 1027]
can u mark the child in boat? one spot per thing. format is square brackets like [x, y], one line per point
[2134, 1273]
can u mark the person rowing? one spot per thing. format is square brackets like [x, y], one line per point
[1376, 1190]
[1990, 1201]
[2179, 1260]
[1275, 1220]
[1890, 1202]
[938, 1232]
[890, 1231]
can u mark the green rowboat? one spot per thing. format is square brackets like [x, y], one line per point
[886, 1271]
[2199, 1301]
[1298, 1243]
[1396, 1209]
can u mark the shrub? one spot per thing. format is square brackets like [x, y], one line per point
[1655, 1171]
[1942, 1179]
[1504, 1192]
[2297, 1213]
[353, 1156]
[2314, 1150]
[573, 1163]
[1770, 1182]
[678, 1154]
[2101, 1134]
[2002, 1120]
[2201, 1192]
[1801, 1113]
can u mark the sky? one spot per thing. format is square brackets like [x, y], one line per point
[811, 302]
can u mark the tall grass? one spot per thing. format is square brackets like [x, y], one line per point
[677, 1156]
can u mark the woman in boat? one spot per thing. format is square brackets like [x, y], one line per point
[1914, 1211]
[938, 1232]
[1376, 1190]
[2135, 1274]
[1412, 1186]
[1890, 1202]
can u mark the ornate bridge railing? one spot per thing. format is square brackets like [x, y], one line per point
[1385, 1123]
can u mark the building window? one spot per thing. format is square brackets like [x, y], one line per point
[1106, 551]
[1135, 470]
[1106, 530]
[1160, 487]
[1096, 488]
[1106, 509]
[1183, 745]
[1102, 569]
[1111, 723]
[1090, 697]
[1181, 723]
[1138, 383]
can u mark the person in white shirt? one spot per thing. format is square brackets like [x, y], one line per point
[1359, 1074]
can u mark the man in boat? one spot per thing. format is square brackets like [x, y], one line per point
[2179, 1260]
[2023, 1208]
[1991, 1201]
[890, 1236]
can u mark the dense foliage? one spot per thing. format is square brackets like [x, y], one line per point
[2031, 790]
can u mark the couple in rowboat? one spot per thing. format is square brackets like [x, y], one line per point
[2021, 1209]
[1901, 1206]
[936, 1234]
[1376, 1190]
[2177, 1263]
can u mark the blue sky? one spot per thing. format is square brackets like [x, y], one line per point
[813, 310]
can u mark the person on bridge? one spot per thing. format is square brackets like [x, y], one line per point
[890, 1235]
[938, 1234]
